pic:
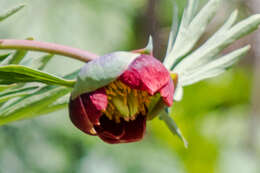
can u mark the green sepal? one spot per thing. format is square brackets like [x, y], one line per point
[149, 47]
[102, 71]
[169, 121]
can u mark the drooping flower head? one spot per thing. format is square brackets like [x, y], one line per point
[116, 93]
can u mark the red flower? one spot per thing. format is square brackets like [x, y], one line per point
[117, 112]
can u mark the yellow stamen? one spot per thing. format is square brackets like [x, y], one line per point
[125, 102]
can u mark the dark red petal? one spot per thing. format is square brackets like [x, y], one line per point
[110, 131]
[146, 73]
[122, 132]
[167, 93]
[95, 103]
[134, 130]
[79, 116]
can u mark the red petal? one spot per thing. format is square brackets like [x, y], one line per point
[79, 117]
[167, 92]
[95, 103]
[146, 73]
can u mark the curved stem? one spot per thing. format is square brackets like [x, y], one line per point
[47, 47]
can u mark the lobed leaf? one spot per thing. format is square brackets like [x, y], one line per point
[205, 61]
[213, 68]
[191, 29]
[216, 44]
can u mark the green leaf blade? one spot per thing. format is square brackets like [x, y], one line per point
[5, 96]
[32, 104]
[41, 62]
[214, 68]
[213, 47]
[17, 73]
[189, 33]
[11, 12]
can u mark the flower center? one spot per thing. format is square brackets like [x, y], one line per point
[125, 102]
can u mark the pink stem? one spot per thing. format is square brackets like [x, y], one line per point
[47, 47]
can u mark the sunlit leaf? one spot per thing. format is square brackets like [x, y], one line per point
[219, 41]
[205, 61]
[213, 68]
[191, 29]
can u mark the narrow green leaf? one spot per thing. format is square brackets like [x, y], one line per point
[172, 126]
[32, 104]
[42, 101]
[5, 96]
[191, 10]
[10, 12]
[61, 103]
[225, 27]
[4, 87]
[41, 62]
[4, 56]
[18, 74]
[174, 28]
[53, 108]
[17, 57]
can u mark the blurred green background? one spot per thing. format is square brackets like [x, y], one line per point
[219, 117]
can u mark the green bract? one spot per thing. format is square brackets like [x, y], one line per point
[102, 71]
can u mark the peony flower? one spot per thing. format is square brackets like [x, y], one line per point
[117, 93]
